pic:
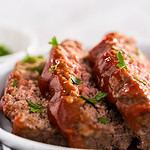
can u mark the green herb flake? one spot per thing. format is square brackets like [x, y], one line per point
[29, 59]
[40, 57]
[75, 80]
[121, 63]
[89, 100]
[4, 50]
[53, 42]
[98, 97]
[15, 83]
[38, 69]
[53, 68]
[34, 107]
[103, 120]
[32, 59]
[140, 81]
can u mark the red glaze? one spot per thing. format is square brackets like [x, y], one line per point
[66, 108]
[128, 89]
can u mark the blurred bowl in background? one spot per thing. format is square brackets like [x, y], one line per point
[17, 41]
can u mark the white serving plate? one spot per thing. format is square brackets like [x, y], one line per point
[20, 143]
[18, 41]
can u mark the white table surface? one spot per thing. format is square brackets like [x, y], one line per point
[86, 20]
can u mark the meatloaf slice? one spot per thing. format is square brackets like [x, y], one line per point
[24, 105]
[76, 106]
[124, 73]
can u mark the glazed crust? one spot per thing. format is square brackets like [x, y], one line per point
[76, 119]
[128, 88]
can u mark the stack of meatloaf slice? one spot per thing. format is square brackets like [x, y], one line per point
[98, 100]
[76, 106]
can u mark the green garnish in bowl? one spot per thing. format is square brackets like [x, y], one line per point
[32, 59]
[4, 50]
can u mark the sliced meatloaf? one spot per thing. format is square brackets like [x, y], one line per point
[24, 105]
[123, 72]
[76, 107]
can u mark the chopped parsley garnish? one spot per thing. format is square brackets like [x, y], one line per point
[75, 80]
[98, 97]
[140, 81]
[15, 83]
[34, 107]
[53, 41]
[32, 59]
[38, 69]
[4, 50]
[121, 61]
[121, 51]
[89, 100]
[53, 68]
[103, 120]
[40, 57]
[29, 59]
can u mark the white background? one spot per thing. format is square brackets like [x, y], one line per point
[86, 20]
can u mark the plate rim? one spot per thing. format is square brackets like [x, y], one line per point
[6, 136]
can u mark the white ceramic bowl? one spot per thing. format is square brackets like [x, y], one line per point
[8, 66]
[18, 41]
[20, 143]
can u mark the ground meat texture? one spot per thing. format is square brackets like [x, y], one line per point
[22, 85]
[76, 119]
[127, 87]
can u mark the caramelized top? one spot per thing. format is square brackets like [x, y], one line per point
[128, 86]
